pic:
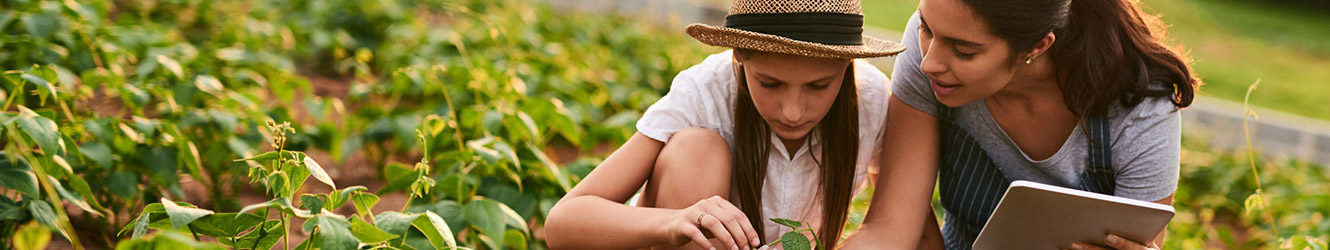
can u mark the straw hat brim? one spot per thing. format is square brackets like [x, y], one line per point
[737, 38]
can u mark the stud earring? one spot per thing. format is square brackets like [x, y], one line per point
[1027, 60]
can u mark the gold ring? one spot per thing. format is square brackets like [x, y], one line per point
[699, 218]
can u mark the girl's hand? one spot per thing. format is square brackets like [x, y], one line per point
[713, 216]
[1117, 243]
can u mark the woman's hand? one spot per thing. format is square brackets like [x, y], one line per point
[713, 216]
[1117, 243]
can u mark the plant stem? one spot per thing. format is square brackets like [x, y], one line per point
[44, 180]
[1251, 158]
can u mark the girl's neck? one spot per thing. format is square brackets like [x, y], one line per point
[792, 146]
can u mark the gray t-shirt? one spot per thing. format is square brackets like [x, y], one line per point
[1146, 139]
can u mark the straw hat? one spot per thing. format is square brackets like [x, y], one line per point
[816, 28]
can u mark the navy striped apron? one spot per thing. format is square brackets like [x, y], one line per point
[970, 185]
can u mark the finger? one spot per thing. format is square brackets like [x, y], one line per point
[732, 221]
[701, 240]
[747, 226]
[1085, 246]
[1123, 243]
[717, 229]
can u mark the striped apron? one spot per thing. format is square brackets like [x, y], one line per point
[970, 185]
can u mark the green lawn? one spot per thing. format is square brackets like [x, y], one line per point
[1232, 43]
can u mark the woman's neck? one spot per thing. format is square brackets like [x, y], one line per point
[1033, 85]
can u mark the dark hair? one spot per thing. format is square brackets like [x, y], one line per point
[839, 135]
[1106, 50]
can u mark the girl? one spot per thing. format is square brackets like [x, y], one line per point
[783, 126]
[1076, 93]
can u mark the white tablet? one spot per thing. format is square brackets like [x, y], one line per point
[1040, 216]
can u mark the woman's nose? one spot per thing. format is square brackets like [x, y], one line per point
[931, 63]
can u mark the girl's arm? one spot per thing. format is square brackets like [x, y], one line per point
[908, 169]
[593, 214]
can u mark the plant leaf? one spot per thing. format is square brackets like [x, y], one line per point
[486, 216]
[794, 241]
[226, 224]
[42, 130]
[18, 176]
[180, 215]
[394, 222]
[209, 84]
[171, 65]
[317, 172]
[364, 202]
[336, 233]
[368, 233]
[793, 224]
[31, 236]
[436, 230]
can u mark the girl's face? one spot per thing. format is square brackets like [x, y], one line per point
[963, 61]
[791, 92]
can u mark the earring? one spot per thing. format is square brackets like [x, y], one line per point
[1027, 60]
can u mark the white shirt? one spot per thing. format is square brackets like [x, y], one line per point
[702, 96]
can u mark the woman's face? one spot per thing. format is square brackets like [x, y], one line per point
[792, 93]
[963, 61]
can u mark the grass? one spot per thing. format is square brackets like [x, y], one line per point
[1232, 43]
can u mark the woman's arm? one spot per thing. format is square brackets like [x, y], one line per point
[908, 170]
[593, 215]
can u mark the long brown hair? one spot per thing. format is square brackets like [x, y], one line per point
[839, 135]
[1105, 50]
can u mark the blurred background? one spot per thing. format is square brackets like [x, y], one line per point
[485, 112]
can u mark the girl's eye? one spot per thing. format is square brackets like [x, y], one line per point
[768, 85]
[820, 87]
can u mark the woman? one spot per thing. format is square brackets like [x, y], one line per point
[1076, 93]
[781, 127]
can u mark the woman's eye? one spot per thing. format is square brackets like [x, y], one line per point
[768, 85]
[962, 55]
[820, 87]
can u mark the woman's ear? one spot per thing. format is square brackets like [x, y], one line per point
[1040, 47]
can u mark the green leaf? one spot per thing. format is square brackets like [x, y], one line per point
[336, 233]
[42, 130]
[793, 224]
[368, 233]
[140, 225]
[180, 215]
[311, 202]
[794, 241]
[436, 230]
[209, 84]
[337, 198]
[364, 202]
[487, 216]
[123, 184]
[41, 24]
[31, 236]
[98, 152]
[18, 176]
[46, 89]
[394, 222]
[399, 177]
[225, 224]
[71, 197]
[11, 211]
[317, 172]
[514, 239]
[266, 236]
[44, 213]
[171, 65]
